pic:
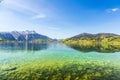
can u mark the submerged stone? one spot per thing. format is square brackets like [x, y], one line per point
[8, 68]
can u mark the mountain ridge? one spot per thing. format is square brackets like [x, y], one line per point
[93, 36]
[22, 36]
[101, 42]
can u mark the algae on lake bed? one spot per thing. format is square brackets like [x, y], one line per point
[64, 71]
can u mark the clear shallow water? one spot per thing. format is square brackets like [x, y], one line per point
[23, 61]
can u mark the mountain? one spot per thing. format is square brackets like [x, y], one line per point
[22, 36]
[100, 37]
[104, 42]
[6, 36]
[94, 36]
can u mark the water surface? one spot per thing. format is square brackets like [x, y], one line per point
[55, 61]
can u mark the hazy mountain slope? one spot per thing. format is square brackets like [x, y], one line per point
[6, 36]
[22, 36]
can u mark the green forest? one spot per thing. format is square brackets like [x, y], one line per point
[98, 42]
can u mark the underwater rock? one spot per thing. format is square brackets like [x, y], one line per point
[8, 68]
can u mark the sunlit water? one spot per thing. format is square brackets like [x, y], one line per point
[55, 61]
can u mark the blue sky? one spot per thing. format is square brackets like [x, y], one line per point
[60, 18]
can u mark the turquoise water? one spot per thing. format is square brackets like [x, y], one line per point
[55, 61]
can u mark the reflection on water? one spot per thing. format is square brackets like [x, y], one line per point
[97, 48]
[22, 46]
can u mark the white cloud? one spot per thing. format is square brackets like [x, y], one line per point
[26, 8]
[39, 16]
[18, 6]
[115, 9]
[30, 9]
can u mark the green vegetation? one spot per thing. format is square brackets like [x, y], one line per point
[99, 42]
[1, 39]
[67, 71]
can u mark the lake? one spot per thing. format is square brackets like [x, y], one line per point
[56, 61]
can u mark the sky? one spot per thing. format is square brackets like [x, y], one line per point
[60, 18]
